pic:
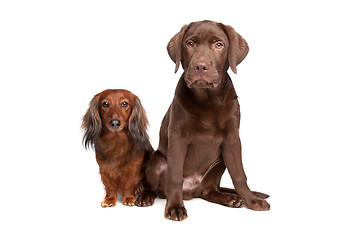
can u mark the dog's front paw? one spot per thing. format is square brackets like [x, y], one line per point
[175, 213]
[257, 204]
[108, 202]
[129, 201]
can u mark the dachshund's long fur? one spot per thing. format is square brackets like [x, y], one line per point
[115, 125]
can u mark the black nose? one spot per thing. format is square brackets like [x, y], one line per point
[201, 67]
[115, 123]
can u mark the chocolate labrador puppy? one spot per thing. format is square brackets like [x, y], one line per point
[199, 135]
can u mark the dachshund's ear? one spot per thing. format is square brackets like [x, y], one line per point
[91, 123]
[238, 47]
[138, 123]
[174, 46]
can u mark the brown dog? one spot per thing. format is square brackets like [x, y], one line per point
[115, 124]
[199, 135]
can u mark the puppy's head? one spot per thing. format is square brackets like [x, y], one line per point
[114, 111]
[206, 49]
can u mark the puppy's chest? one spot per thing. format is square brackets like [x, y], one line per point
[205, 139]
[210, 123]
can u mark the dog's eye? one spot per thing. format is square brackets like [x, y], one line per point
[105, 104]
[190, 43]
[124, 104]
[219, 45]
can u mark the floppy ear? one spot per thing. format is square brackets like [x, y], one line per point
[238, 47]
[138, 123]
[91, 123]
[174, 47]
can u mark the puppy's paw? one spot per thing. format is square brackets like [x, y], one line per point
[129, 201]
[257, 204]
[108, 202]
[175, 213]
[234, 201]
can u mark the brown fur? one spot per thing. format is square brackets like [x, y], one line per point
[117, 131]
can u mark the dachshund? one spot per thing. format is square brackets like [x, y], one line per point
[115, 125]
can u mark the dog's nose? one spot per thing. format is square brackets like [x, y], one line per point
[115, 123]
[201, 67]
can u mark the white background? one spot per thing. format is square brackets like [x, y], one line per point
[298, 90]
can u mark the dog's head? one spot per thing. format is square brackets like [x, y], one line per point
[114, 110]
[206, 49]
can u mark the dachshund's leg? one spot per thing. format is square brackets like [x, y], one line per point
[110, 189]
[128, 191]
[129, 194]
[129, 200]
[130, 177]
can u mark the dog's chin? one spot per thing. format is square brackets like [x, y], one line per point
[115, 130]
[201, 83]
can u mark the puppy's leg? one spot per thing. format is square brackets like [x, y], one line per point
[232, 191]
[232, 158]
[226, 199]
[177, 148]
[154, 180]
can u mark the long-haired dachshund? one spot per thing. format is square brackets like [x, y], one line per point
[115, 125]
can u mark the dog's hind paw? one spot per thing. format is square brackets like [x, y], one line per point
[145, 199]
